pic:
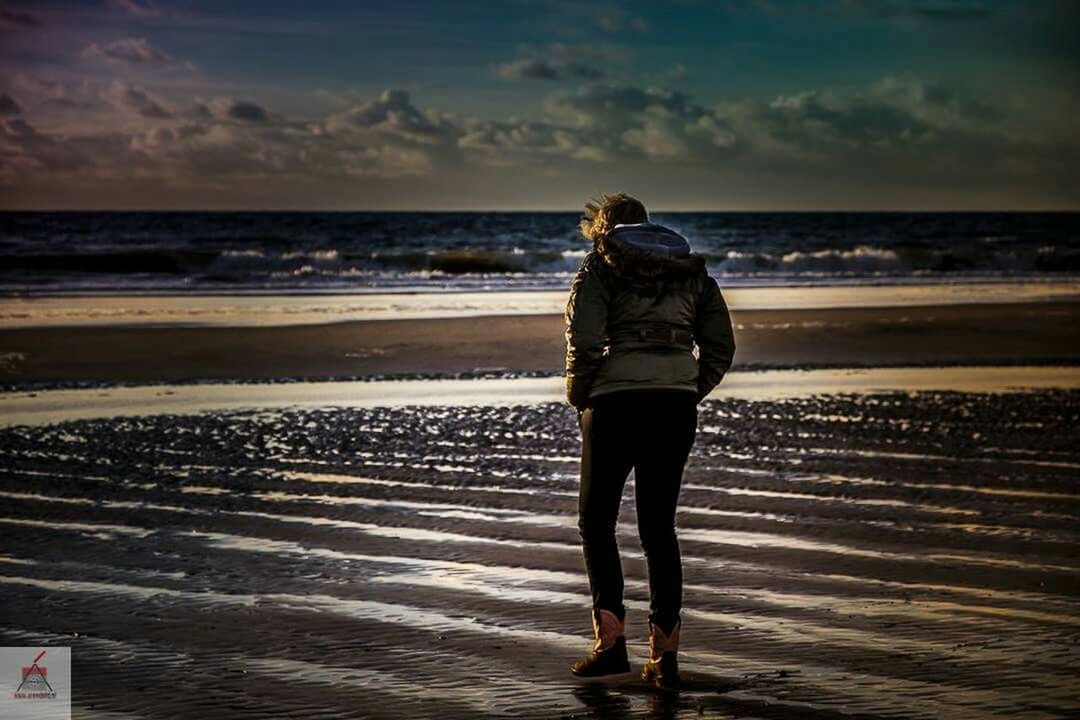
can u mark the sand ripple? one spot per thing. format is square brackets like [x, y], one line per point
[872, 556]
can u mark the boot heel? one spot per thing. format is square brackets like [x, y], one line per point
[608, 656]
[599, 663]
[662, 669]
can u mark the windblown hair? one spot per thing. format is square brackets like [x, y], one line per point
[608, 211]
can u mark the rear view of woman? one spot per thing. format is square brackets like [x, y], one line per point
[639, 304]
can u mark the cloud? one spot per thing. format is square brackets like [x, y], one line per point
[537, 69]
[898, 130]
[522, 135]
[18, 19]
[897, 121]
[8, 106]
[386, 161]
[656, 139]
[560, 61]
[814, 118]
[247, 111]
[230, 110]
[138, 8]
[899, 10]
[614, 21]
[228, 138]
[610, 122]
[137, 100]
[27, 151]
[621, 107]
[393, 113]
[35, 91]
[214, 151]
[128, 50]
[946, 10]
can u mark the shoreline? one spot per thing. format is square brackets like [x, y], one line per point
[47, 407]
[284, 308]
[986, 334]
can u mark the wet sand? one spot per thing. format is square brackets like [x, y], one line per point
[980, 334]
[261, 310]
[44, 407]
[900, 555]
[893, 538]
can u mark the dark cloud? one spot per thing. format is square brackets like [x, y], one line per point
[27, 150]
[958, 102]
[128, 50]
[33, 90]
[620, 105]
[537, 69]
[68, 103]
[811, 120]
[946, 10]
[625, 121]
[18, 19]
[138, 8]
[896, 122]
[8, 106]
[561, 61]
[895, 132]
[138, 100]
[930, 10]
[393, 112]
[247, 111]
[528, 69]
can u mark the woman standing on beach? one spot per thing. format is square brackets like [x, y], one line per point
[639, 304]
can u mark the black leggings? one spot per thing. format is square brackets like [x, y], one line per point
[651, 432]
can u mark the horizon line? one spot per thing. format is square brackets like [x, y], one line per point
[535, 210]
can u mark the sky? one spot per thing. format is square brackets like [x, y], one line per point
[540, 104]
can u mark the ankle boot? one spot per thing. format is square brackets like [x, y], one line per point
[662, 669]
[608, 656]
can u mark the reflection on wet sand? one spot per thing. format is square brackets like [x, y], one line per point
[424, 561]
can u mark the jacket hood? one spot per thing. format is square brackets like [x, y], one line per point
[649, 251]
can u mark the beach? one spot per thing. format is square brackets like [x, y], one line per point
[178, 339]
[376, 517]
[328, 332]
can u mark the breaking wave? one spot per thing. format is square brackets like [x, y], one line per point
[57, 252]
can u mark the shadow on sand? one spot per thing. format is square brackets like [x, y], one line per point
[698, 694]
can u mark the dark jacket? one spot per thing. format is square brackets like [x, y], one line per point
[639, 303]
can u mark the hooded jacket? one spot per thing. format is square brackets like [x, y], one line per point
[639, 303]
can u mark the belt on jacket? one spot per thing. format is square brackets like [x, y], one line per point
[653, 335]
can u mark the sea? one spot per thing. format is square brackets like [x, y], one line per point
[59, 253]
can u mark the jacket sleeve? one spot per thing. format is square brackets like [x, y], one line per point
[586, 330]
[714, 336]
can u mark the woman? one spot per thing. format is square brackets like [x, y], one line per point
[639, 304]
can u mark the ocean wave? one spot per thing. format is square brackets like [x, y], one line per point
[467, 250]
[232, 266]
[877, 261]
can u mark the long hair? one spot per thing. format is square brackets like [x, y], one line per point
[608, 211]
